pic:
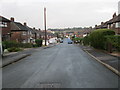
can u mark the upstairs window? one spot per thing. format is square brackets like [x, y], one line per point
[3, 24]
[118, 25]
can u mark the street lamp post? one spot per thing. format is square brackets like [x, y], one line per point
[45, 26]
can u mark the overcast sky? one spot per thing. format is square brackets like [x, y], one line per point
[60, 13]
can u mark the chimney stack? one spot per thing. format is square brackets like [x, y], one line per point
[95, 26]
[114, 15]
[102, 23]
[25, 24]
[33, 27]
[12, 19]
[39, 29]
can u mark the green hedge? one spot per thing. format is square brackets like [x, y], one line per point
[13, 49]
[38, 42]
[11, 44]
[97, 38]
[86, 40]
[77, 40]
[114, 40]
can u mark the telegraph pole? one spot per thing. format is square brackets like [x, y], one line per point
[45, 26]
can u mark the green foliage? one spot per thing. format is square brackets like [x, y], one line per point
[114, 40]
[14, 49]
[86, 40]
[25, 45]
[38, 42]
[35, 45]
[77, 40]
[11, 44]
[97, 38]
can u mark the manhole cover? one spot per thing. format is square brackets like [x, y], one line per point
[48, 85]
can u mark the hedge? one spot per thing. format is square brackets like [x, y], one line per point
[114, 40]
[97, 38]
[38, 42]
[11, 44]
[77, 40]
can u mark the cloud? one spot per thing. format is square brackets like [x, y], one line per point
[60, 13]
[107, 10]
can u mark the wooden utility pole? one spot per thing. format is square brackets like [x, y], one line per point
[45, 26]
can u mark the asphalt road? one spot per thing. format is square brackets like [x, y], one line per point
[64, 66]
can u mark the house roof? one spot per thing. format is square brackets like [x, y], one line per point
[117, 19]
[30, 29]
[21, 27]
[114, 20]
[104, 25]
[3, 19]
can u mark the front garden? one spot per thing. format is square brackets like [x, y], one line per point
[103, 39]
[13, 46]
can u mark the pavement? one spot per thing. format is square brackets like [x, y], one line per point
[12, 57]
[112, 62]
[62, 66]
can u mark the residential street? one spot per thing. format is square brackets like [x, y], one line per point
[64, 65]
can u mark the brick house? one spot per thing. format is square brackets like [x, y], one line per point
[114, 24]
[5, 27]
[32, 34]
[19, 32]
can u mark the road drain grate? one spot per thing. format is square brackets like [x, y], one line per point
[48, 85]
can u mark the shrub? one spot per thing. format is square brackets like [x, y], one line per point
[77, 40]
[86, 40]
[97, 38]
[38, 42]
[26, 45]
[35, 45]
[13, 49]
[114, 40]
[10, 44]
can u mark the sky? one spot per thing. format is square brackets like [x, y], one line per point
[60, 13]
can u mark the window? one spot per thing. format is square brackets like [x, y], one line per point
[23, 33]
[3, 24]
[117, 25]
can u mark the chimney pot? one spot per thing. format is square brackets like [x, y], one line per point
[102, 23]
[12, 19]
[114, 15]
[25, 24]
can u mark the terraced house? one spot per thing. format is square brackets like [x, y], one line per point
[113, 24]
[5, 27]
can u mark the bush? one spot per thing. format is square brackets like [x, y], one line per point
[97, 38]
[26, 45]
[77, 40]
[86, 40]
[114, 40]
[38, 42]
[13, 49]
[35, 45]
[10, 44]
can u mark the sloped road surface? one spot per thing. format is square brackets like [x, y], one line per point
[62, 66]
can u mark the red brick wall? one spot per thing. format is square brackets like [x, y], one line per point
[6, 30]
[17, 36]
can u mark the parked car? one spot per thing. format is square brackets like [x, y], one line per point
[61, 41]
[70, 41]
